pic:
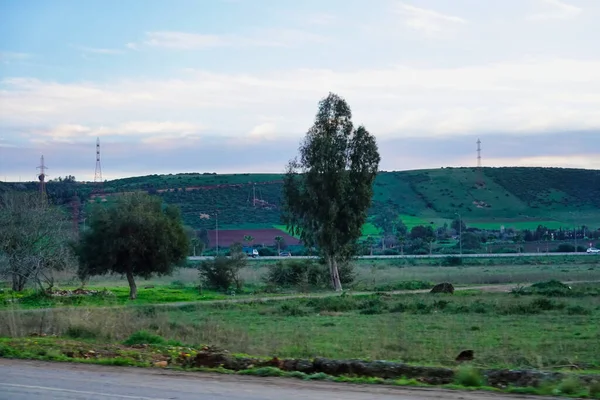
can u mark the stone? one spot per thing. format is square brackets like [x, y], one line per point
[466, 355]
[444, 287]
[161, 364]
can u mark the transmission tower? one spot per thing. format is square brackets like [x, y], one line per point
[98, 173]
[480, 181]
[42, 177]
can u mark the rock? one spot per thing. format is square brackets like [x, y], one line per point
[305, 366]
[161, 364]
[444, 287]
[466, 355]
[209, 360]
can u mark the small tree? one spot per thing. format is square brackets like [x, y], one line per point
[280, 243]
[248, 239]
[136, 237]
[222, 272]
[34, 240]
[328, 190]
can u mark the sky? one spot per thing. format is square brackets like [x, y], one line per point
[232, 86]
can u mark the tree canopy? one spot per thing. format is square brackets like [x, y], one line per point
[136, 236]
[328, 189]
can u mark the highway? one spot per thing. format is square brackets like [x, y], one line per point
[37, 380]
[483, 255]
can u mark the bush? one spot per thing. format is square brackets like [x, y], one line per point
[292, 310]
[373, 306]
[144, 337]
[295, 272]
[570, 386]
[468, 377]
[404, 285]
[80, 332]
[267, 252]
[334, 303]
[452, 261]
[223, 273]
[286, 273]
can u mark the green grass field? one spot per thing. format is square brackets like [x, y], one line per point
[503, 329]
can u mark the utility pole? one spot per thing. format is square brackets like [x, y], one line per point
[217, 229]
[459, 232]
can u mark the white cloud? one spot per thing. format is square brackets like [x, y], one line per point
[96, 50]
[429, 22]
[555, 9]
[261, 38]
[512, 98]
[8, 56]
[152, 130]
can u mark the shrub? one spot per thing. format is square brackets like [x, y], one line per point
[334, 303]
[267, 252]
[223, 273]
[570, 386]
[578, 310]
[288, 273]
[469, 377]
[373, 306]
[452, 261]
[295, 272]
[595, 390]
[80, 332]
[144, 337]
[404, 285]
[292, 310]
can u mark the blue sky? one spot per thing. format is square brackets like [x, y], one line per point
[232, 85]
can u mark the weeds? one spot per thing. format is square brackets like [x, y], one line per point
[468, 377]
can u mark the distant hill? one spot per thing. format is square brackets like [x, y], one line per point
[514, 197]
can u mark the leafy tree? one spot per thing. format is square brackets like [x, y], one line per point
[280, 243]
[458, 225]
[471, 241]
[135, 237]
[248, 239]
[424, 233]
[196, 242]
[223, 273]
[400, 228]
[328, 190]
[34, 240]
[386, 220]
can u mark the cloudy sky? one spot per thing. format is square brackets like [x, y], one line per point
[233, 85]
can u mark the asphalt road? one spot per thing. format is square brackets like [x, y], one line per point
[33, 380]
[483, 255]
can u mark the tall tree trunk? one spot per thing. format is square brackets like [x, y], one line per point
[330, 265]
[335, 275]
[132, 286]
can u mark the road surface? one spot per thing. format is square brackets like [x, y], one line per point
[36, 380]
[482, 255]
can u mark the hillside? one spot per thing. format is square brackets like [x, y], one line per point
[513, 197]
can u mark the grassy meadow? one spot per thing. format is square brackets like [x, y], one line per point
[504, 329]
[520, 328]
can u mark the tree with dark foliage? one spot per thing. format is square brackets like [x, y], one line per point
[136, 236]
[328, 190]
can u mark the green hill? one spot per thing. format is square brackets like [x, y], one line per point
[514, 197]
